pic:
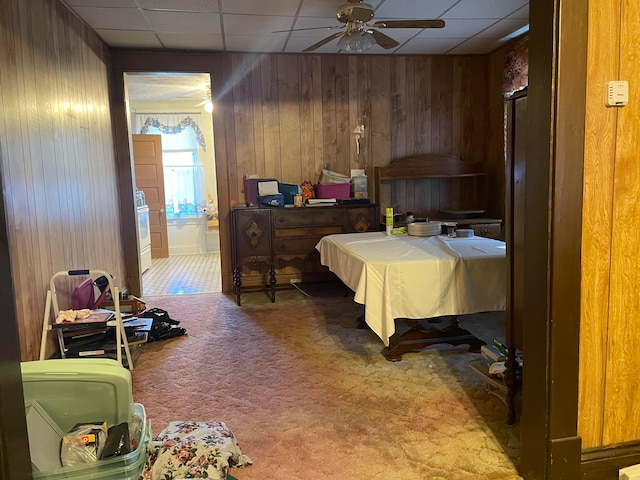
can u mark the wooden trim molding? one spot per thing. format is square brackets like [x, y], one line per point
[603, 463]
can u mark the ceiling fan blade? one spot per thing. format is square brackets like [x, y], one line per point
[409, 24]
[333, 27]
[383, 40]
[323, 42]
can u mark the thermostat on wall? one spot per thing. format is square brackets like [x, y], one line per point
[617, 93]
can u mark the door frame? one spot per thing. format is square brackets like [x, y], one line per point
[550, 446]
[15, 460]
[141, 61]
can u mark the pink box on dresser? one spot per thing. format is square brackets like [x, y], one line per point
[339, 191]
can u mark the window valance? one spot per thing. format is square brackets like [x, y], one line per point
[169, 123]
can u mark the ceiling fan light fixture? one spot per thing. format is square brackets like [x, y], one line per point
[356, 42]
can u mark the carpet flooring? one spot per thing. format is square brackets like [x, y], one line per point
[309, 396]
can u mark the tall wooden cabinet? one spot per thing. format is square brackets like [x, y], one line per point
[276, 246]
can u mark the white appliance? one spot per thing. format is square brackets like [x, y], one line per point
[144, 238]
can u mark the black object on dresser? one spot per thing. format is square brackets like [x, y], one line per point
[276, 246]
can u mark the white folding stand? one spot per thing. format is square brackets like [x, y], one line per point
[52, 301]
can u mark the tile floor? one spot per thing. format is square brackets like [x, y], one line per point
[179, 274]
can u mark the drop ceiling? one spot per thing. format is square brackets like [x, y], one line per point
[472, 26]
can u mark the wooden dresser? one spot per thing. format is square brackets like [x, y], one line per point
[276, 246]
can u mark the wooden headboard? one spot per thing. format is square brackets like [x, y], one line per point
[428, 183]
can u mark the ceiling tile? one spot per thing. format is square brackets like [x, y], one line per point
[183, 22]
[522, 13]
[210, 41]
[130, 39]
[248, 7]
[252, 43]
[102, 3]
[414, 9]
[297, 44]
[320, 8]
[429, 46]
[181, 5]
[485, 8]
[252, 25]
[321, 27]
[113, 18]
[315, 35]
[477, 46]
[502, 28]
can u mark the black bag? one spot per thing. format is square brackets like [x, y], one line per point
[163, 326]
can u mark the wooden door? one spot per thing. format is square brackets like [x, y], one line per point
[149, 177]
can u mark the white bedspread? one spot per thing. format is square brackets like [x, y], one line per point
[403, 276]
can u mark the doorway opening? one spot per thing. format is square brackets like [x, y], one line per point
[171, 131]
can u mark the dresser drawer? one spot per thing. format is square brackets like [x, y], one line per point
[308, 216]
[293, 245]
[252, 232]
[318, 231]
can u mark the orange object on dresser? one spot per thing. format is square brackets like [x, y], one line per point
[307, 190]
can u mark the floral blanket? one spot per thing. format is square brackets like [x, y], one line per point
[193, 450]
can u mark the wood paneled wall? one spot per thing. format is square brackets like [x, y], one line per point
[56, 149]
[290, 116]
[609, 332]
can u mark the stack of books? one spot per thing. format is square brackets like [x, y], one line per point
[318, 202]
[491, 368]
[94, 336]
[137, 330]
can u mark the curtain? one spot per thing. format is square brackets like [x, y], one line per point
[169, 123]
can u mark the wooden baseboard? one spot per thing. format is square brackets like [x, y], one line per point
[604, 463]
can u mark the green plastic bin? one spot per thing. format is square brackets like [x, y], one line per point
[74, 390]
[77, 390]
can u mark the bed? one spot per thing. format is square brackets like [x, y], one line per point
[410, 278]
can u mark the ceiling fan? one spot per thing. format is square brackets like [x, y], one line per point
[359, 34]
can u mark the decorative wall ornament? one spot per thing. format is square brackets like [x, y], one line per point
[516, 71]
